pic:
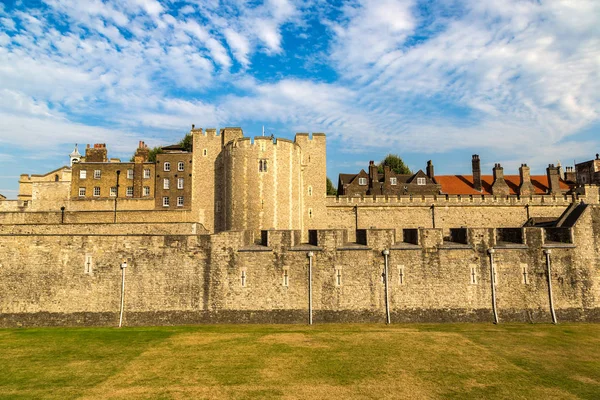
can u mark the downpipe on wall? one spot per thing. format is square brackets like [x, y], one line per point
[123, 266]
[547, 252]
[386, 254]
[310, 255]
[491, 252]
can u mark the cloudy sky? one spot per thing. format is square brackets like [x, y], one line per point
[514, 81]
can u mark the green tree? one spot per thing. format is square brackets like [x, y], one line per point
[187, 142]
[331, 190]
[153, 152]
[395, 163]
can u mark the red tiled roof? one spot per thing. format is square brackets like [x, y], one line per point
[463, 184]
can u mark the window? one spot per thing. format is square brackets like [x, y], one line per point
[180, 166]
[146, 191]
[167, 166]
[129, 174]
[362, 181]
[338, 276]
[113, 191]
[166, 183]
[525, 274]
[82, 174]
[286, 277]
[165, 202]
[421, 181]
[97, 191]
[205, 152]
[179, 201]
[393, 181]
[97, 174]
[179, 183]
[129, 192]
[81, 192]
[243, 277]
[262, 165]
[218, 206]
[310, 213]
[473, 274]
[87, 264]
[310, 190]
[146, 174]
[401, 274]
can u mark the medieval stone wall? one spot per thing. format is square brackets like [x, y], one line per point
[54, 277]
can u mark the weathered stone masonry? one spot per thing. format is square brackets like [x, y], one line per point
[176, 277]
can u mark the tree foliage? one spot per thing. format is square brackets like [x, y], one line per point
[395, 163]
[153, 152]
[331, 190]
[187, 142]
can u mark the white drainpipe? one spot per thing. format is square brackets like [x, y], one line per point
[547, 252]
[492, 273]
[386, 254]
[123, 266]
[310, 255]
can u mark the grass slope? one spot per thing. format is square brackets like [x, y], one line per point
[283, 362]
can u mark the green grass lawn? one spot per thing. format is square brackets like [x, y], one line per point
[511, 361]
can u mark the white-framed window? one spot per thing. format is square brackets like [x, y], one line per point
[205, 152]
[147, 174]
[81, 192]
[97, 174]
[310, 190]
[146, 191]
[525, 274]
[166, 183]
[243, 277]
[129, 192]
[180, 166]
[113, 191]
[82, 174]
[97, 191]
[401, 276]
[338, 276]
[473, 275]
[88, 264]
[285, 277]
[129, 174]
[362, 181]
[179, 183]
[165, 201]
[167, 166]
[393, 181]
[179, 201]
[421, 181]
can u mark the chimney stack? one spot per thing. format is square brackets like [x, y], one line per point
[525, 187]
[476, 172]
[430, 172]
[499, 187]
[372, 176]
[570, 174]
[553, 179]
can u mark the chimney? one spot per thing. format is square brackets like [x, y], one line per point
[499, 187]
[430, 173]
[570, 174]
[553, 179]
[372, 175]
[525, 187]
[476, 163]
[386, 175]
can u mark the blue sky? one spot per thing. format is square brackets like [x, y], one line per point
[514, 81]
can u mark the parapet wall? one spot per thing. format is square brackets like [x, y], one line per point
[68, 279]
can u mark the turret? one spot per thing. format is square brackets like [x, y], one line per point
[74, 157]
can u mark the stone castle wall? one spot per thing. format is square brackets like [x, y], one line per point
[189, 278]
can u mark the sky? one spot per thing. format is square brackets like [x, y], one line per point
[516, 81]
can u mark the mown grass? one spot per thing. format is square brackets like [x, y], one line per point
[510, 361]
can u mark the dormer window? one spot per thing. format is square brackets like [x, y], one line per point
[421, 181]
[362, 181]
[393, 181]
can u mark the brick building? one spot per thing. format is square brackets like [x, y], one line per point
[173, 178]
[588, 173]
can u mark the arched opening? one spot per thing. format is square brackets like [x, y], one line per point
[56, 178]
